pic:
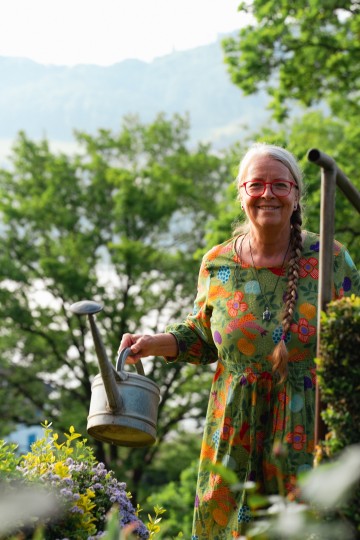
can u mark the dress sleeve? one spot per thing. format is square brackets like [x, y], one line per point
[193, 335]
[346, 275]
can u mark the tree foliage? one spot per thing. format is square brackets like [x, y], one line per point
[305, 51]
[117, 223]
[313, 130]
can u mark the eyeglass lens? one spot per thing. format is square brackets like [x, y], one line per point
[280, 188]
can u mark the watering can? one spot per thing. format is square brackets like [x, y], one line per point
[124, 405]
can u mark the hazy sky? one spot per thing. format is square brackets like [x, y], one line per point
[104, 32]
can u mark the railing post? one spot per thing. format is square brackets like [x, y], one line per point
[327, 229]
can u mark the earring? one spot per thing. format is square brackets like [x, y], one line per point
[295, 207]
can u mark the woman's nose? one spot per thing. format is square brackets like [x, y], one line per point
[268, 192]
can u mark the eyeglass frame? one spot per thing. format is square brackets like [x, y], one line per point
[271, 184]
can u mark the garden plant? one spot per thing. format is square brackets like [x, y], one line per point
[80, 492]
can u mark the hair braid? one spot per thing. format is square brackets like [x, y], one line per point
[280, 353]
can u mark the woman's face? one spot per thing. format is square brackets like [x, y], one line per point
[269, 210]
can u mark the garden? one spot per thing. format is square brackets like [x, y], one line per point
[60, 491]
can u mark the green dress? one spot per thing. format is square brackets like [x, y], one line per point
[248, 410]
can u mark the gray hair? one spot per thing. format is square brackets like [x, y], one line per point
[280, 356]
[275, 152]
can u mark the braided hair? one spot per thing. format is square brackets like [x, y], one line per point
[280, 355]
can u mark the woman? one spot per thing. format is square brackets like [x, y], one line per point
[255, 313]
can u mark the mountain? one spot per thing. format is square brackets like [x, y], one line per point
[51, 101]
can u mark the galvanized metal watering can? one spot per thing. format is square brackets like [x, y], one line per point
[124, 405]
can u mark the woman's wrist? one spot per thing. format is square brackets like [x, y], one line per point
[165, 345]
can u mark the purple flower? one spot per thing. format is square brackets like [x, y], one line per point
[76, 510]
[315, 247]
[347, 284]
[66, 492]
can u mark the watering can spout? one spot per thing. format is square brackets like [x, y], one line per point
[107, 370]
[124, 406]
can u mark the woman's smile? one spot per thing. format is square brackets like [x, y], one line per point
[268, 210]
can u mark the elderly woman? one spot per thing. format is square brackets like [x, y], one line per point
[255, 314]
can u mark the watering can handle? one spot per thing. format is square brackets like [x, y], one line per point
[120, 363]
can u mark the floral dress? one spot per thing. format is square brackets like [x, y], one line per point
[248, 411]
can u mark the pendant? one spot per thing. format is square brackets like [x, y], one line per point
[266, 314]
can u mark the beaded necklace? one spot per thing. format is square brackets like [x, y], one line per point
[267, 313]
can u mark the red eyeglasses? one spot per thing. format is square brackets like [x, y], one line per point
[279, 188]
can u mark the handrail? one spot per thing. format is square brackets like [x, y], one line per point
[349, 190]
[331, 176]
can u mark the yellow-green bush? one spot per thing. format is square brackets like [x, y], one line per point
[339, 380]
[81, 489]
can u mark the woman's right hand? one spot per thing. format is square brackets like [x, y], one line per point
[142, 345]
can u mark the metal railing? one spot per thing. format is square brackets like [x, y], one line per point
[331, 176]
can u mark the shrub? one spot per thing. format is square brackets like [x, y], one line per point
[339, 381]
[82, 488]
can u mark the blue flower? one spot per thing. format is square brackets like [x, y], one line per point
[277, 333]
[252, 287]
[244, 514]
[223, 274]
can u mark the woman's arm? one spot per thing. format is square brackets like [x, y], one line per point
[142, 345]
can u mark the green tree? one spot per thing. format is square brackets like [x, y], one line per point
[313, 130]
[306, 51]
[119, 223]
[177, 497]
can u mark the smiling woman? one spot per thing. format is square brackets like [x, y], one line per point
[269, 198]
[255, 314]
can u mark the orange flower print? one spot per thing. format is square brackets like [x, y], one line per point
[270, 470]
[291, 488]
[283, 399]
[303, 329]
[250, 375]
[227, 429]
[279, 420]
[307, 310]
[219, 400]
[207, 452]
[216, 251]
[236, 305]
[243, 437]
[297, 438]
[309, 267]
[219, 371]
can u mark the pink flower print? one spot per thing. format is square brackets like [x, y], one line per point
[297, 438]
[309, 267]
[236, 305]
[313, 375]
[303, 329]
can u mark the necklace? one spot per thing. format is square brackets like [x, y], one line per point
[267, 313]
